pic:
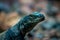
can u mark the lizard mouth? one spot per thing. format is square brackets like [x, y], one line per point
[42, 18]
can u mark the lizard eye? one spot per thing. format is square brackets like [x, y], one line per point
[37, 14]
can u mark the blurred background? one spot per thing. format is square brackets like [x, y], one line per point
[49, 29]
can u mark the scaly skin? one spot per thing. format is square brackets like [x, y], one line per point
[18, 31]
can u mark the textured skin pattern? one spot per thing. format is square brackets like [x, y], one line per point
[18, 31]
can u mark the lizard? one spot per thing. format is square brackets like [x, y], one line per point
[26, 24]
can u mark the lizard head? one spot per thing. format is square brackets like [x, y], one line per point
[34, 18]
